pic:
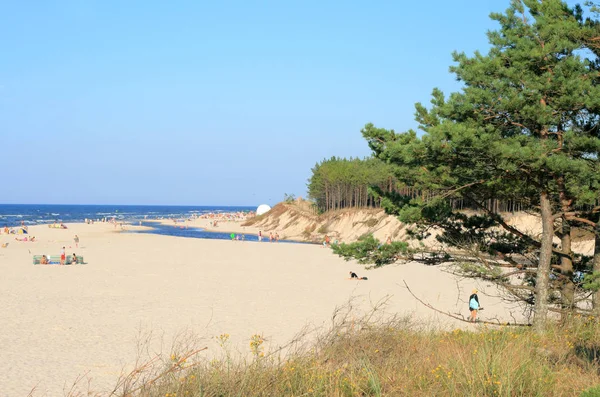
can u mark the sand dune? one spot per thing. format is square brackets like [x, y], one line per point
[59, 322]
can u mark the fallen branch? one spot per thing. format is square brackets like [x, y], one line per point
[515, 324]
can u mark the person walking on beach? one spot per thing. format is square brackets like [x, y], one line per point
[76, 240]
[259, 235]
[473, 305]
[63, 256]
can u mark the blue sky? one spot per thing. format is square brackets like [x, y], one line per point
[210, 103]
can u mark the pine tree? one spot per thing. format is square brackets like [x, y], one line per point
[518, 130]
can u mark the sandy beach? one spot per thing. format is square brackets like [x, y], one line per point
[61, 322]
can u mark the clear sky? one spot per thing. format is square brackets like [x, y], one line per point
[210, 102]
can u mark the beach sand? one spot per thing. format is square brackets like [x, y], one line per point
[61, 322]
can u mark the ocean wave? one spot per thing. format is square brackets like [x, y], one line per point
[13, 215]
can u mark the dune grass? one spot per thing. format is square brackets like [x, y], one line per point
[393, 357]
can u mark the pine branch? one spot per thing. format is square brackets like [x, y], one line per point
[508, 323]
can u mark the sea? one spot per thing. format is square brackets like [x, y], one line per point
[12, 215]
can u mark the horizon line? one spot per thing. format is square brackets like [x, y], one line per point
[138, 205]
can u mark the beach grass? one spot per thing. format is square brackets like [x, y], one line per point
[393, 357]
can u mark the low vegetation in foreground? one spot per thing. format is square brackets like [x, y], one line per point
[391, 358]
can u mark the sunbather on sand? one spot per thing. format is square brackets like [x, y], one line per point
[354, 276]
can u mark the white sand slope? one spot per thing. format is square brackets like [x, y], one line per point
[59, 322]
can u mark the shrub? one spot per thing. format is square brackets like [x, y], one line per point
[371, 222]
[394, 356]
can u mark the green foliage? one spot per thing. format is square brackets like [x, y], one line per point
[346, 183]
[487, 273]
[591, 282]
[371, 222]
[524, 128]
[593, 391]
[289, 198]
[369, 250]
[516, 127]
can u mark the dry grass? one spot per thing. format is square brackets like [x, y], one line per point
[389, 357]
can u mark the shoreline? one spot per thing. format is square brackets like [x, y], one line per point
[232, 226]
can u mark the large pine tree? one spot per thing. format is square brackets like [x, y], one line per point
[523, 127]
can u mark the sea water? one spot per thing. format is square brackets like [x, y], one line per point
[36, 214]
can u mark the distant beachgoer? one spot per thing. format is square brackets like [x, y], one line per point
[388, 241]
[6, 231]
[76, 240]
[327, 240]
[74, 259]
[44, 260]
[243, 237]
[277, 237]
[474, 305]
[259, 235]
[355, 276]
[63, 256]
[271, 237]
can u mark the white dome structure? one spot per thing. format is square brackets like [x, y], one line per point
[263, 208]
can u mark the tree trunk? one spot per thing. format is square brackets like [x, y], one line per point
[566, 257]
[540, 318]
[566, 267]
[596, 268]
